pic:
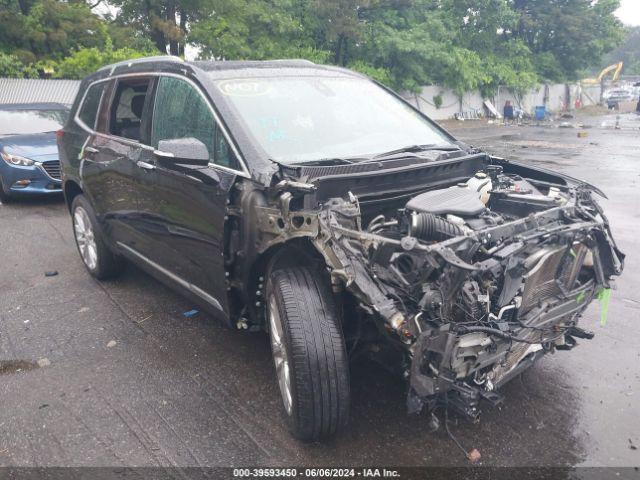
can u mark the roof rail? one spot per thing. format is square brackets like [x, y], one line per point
[134, 61]
[297, 60]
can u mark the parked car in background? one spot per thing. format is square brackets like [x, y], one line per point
[308, 201]
[616, 97]
[29, 163]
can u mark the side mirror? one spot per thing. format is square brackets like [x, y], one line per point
[183, 151]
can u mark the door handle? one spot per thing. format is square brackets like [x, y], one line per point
[145, 165]
[90, 150]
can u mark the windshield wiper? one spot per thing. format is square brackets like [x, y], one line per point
[368, 159]
[415, 149]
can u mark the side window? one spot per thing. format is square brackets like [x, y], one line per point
[180, 112]
[127, 107]
[89, 109]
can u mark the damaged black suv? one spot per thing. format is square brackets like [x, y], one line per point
[317, 205]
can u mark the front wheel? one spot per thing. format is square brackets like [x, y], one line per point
[101, 262]
[309, 352]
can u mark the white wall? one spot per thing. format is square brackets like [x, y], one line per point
[553, 96]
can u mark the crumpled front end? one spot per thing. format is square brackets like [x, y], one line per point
[473, 282]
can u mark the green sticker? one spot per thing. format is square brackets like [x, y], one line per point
[604, 296]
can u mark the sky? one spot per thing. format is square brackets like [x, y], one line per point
[629, 12]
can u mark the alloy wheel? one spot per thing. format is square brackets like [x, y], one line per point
[85, 238]
[280, 357]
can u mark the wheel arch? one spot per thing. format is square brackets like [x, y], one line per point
[295, 252]
[71, 190]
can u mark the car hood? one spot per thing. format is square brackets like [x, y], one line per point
[38, 146]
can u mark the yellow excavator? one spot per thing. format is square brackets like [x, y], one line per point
[615, 68]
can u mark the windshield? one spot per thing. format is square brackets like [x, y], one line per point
[22, 122]
[310, 118]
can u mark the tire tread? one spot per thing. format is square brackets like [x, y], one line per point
[318, 354]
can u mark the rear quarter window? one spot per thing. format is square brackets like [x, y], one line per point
[89, 108]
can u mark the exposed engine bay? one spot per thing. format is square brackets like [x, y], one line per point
[469, 281]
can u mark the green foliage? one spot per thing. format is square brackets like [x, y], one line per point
[437, 101]
[65, 38]
[379, 74]
[410, 43]
[566, 36]
[86, 60]
[49, 28]
[512, 67]
[250, 30]
[628, 52]
[122, 35]
[12, 67]
[459, 44]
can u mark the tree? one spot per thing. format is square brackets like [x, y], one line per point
[32, 30]
[339, 24]
[165, 22]
[628, 52]
[497, 59]
[84, 61]
[11, 66]
[566, 36]
[460, 44]
[253, 30]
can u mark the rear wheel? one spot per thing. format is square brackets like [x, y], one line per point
[308, 352]
[101, 262]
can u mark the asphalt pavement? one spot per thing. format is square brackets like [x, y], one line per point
[113, 373]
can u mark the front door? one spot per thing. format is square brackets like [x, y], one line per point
[185, 205]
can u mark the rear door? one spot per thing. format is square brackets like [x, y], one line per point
[185, 205]
[109, 165]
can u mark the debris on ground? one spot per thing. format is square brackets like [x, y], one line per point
[583, 134]
[190, 313]
[111, 343]
[143, 320]
[242, 324]
[16, 366]
[83, 310]
[44, 362]
[434, 423]
[474, 456]
[51, 273]
[632, 446]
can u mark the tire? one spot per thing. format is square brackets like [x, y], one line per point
[99, 260]
[301, 311]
